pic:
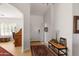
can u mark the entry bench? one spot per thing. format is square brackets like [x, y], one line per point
[59, 48]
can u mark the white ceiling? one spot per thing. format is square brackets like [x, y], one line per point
[7, 10]
[39, 8]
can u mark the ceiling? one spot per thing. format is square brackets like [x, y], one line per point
[39, 8]
[7, 10]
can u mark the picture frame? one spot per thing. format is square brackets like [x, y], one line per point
[76, 24]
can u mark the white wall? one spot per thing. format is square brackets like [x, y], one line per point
[49, 20]
[64, 23]
[59, 18]
[36, 24]
[75, 35]
[25, 9]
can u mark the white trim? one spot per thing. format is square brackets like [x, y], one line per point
[23, 36]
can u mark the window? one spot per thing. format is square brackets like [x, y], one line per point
[6, 29]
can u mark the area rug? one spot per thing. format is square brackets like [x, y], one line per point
[4, 52]
[40, 50]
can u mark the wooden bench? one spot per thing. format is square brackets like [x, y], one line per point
[58, 48]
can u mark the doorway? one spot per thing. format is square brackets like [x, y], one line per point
[37, 13]
[11, 21]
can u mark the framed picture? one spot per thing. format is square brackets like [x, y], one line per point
[76, 24]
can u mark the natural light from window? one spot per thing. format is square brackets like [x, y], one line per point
[7, 29]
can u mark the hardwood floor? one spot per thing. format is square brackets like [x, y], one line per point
[37, 43]
[16, 51]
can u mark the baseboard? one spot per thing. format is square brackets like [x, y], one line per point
[25, 50]
[35, 41]
[46, 43]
